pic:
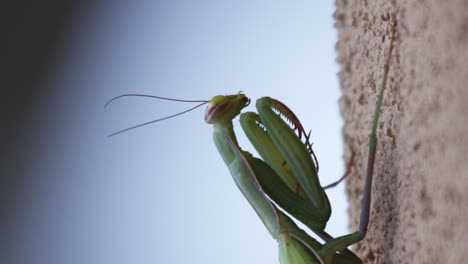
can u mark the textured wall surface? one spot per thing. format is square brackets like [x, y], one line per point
[420, 192]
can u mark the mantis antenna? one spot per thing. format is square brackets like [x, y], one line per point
[203, 102]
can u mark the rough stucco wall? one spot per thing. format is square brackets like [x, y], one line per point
[420, 192]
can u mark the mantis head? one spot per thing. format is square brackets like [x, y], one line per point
[223, 109]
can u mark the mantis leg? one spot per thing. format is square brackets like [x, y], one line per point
[349, 165]
[347, 240]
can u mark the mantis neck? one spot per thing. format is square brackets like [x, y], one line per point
[221, 134]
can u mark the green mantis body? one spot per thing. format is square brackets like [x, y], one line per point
[280, 146]
[290, 157]
[286, 176]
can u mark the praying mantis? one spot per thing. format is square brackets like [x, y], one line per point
[287, 175]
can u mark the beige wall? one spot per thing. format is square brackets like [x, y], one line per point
[420, 193]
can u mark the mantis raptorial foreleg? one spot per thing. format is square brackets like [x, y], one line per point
[287, 175]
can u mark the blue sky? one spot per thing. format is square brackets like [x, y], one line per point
[161, 193]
